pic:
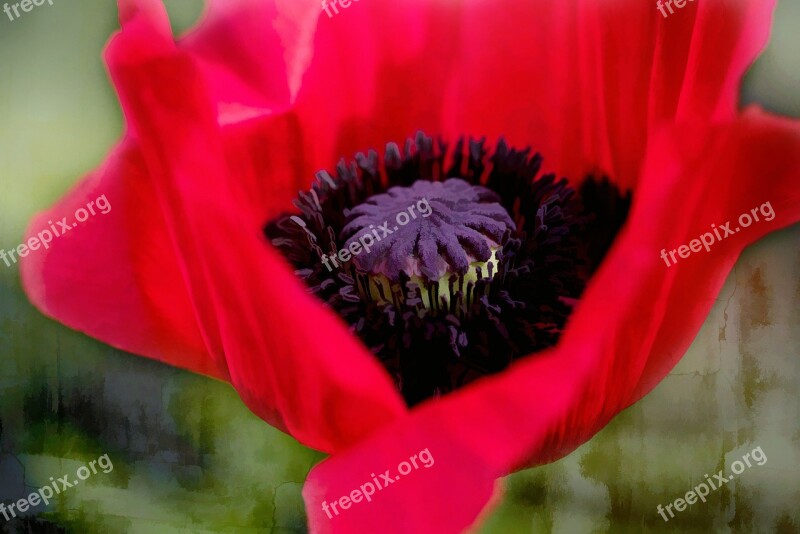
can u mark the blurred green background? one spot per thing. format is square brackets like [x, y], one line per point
[188, 455]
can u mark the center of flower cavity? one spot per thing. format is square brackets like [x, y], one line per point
[449, 261]
[443, 236]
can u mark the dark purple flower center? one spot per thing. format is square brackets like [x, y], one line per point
[427, 230]
[449, 262]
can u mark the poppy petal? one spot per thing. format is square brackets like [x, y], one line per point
[252, 53]
[292, 361]
[116, 276]
[133, 296]
[635, 321]
[584, 83]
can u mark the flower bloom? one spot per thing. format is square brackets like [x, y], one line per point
[226, 124]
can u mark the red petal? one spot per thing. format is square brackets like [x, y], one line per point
[252, 53]
[585, 83]
[133, 294]
[291, 360]
[251, 56]
[634, 323]
[251, 320]
[116, 276]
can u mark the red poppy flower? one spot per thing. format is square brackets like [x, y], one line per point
[226, 124]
